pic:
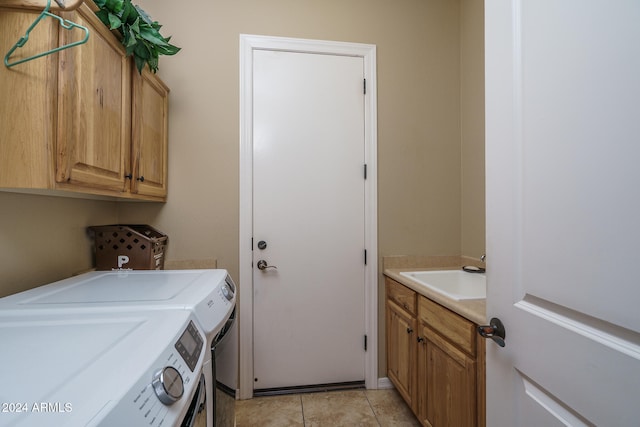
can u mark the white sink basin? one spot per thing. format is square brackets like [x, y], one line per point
[455, 284]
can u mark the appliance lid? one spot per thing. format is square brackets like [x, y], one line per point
[116, 287]
[206, 293]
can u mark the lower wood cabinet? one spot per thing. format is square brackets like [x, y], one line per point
[434, 359]
[447, 378]
[401, 354]
[401, 339]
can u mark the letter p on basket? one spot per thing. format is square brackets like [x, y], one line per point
[122, 260]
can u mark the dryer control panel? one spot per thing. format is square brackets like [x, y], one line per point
[173, 374]
[189, 346]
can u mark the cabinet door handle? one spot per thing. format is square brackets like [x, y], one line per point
[141, 179]
[409, 330]
[420, 339]
[129, 176]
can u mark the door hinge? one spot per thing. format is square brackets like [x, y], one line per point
[365, 343]
[364, 86]
[365, 257]
[365, 171]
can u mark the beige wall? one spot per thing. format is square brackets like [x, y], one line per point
[421, 123]
[419, 132]
[472, 127]
[418, 116]
[43, 239]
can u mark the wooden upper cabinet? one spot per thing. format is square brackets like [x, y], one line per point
[94, 108]
[150, 134]
[80, 120]
[28, 104]
[38, 5]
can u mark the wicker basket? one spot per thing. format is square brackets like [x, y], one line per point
[129, 247]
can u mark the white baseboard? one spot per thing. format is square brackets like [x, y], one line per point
[384, 383]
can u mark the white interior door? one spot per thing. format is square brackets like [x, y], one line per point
[563, 233]
[308, 216]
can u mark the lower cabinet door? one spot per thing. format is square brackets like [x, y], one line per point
[446, 383]
[401, 350]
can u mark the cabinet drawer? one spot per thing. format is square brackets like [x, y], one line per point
[450, 325]
[401, 295]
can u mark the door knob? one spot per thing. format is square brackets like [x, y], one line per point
[494, 330]
[262, 265]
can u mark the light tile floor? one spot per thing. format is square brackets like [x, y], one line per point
[377, 408]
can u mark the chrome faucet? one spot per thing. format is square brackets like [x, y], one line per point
[483, 257]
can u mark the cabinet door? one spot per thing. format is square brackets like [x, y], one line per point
[401, 346]
[447, 383]
[150, 116]
[28, 106]
[94, 109]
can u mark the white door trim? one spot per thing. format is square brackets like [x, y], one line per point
[249, 43]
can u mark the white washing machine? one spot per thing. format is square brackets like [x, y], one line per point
[90, 329]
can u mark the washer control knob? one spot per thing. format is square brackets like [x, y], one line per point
[228, 293]
[168, 385]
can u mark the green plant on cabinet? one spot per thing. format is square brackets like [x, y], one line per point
[140, 34]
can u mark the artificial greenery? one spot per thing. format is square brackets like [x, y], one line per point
[140, 35]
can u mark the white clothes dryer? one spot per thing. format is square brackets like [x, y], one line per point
[133, 369]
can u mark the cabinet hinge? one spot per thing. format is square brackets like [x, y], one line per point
[365, 343]
[364, 86]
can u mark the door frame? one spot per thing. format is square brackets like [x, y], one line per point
[249, 43]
